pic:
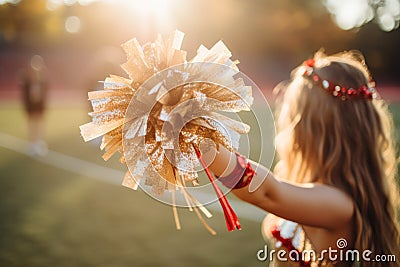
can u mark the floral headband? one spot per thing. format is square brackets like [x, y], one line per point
[364, 92]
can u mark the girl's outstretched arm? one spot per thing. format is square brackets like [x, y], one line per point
[311, 204]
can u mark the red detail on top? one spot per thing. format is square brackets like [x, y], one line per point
[310, 63]
[288, 244]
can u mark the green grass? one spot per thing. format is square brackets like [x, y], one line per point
[51, 217]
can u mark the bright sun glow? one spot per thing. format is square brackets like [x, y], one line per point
[157, 9]
[151, 13]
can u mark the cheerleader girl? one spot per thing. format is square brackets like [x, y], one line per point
[334, 185]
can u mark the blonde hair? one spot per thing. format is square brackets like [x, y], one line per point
[348, 144]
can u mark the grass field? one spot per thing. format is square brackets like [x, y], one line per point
[52, 217]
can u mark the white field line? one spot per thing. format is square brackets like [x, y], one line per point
[105, 174]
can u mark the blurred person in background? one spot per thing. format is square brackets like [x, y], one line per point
[34, 87]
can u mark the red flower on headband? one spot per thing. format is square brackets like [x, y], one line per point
[366, 91]
[310, 63]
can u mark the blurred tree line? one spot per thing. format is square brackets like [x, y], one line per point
[277, 32]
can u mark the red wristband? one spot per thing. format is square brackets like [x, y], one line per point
[240, 176]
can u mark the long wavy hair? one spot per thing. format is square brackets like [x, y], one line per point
[348, 144]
